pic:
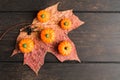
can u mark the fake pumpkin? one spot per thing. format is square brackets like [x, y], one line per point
[65, 48]
[47, 35]
[43, 16]
[26, 45]
[65, 24]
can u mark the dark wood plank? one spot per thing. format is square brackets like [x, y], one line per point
[11, 18]
[77, 5]
[56, 71]
[10, 71]
[97, 40]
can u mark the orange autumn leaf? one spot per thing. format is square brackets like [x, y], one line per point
[49, 36]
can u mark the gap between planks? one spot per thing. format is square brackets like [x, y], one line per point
[72, 62]
[61, 10]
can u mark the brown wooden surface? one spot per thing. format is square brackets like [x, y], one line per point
[56, 71]
[97, 41]
[77, 5]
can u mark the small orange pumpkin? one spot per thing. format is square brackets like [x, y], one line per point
[47, 35]
[65, 23]
[26, 45]
[43, 16]
[65, 48]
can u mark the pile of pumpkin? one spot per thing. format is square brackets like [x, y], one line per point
[48, 36]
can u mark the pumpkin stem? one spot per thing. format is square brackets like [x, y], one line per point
[25, 45]
[66, 48]
[47, 35]
[14, 26]
[66, 23]
[43, 16]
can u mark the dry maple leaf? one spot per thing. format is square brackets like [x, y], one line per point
[35, 58]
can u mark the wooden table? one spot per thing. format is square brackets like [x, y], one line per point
[97, 41]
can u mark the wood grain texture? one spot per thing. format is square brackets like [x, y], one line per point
[56, 71]
[97, 40]
[77, 5]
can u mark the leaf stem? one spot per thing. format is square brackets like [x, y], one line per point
[12, 27]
